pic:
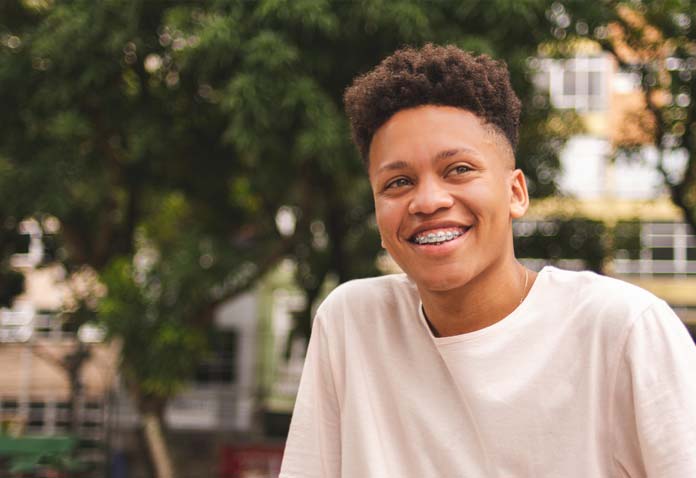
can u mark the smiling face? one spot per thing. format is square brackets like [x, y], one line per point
[445, 192]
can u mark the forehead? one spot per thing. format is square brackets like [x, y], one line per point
[427, 131]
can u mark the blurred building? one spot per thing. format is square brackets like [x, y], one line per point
[613, 215]
[283, 358]
[611, 203]
[645, 235]
[217, 409]
[35, 352]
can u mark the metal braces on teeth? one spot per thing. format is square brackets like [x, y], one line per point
[436, 237]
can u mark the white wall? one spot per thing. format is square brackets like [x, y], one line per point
[589, 172]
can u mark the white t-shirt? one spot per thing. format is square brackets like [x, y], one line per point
[589, 377]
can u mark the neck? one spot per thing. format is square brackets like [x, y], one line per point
[486, 299]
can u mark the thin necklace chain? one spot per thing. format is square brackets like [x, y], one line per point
[434, 330]
[524, 289]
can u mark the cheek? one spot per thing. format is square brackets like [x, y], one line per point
[386, 213]
[486, 201]
[389, 217]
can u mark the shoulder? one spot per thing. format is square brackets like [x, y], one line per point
[590, 289]
[378, 306]
[596, 300]
[369, 295]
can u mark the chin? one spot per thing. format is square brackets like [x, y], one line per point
[439, 282]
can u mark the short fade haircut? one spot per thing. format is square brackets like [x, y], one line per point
[432, 75]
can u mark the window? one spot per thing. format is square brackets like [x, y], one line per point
[691, 254]
[579, 83]
[691, 248]
[595, 84]
[668, 245]
[568, 82]
[23, 244]
[36, 419]
[667, 248]
[62, 417]
[662, 253]
[9, 406]
[219, 367]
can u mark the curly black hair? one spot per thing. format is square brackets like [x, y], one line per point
[432, 75]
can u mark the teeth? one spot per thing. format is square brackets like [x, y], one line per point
[437, 237]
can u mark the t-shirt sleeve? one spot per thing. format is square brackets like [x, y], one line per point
[655, 398]
[313, 448]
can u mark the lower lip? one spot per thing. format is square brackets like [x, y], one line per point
[440, 249]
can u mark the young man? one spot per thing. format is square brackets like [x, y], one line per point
[469, 365]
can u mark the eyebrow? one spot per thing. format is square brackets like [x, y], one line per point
[393, 165]
[444, 154]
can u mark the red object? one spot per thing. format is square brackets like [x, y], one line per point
[251, 460]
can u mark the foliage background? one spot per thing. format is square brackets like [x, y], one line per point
[165, 138]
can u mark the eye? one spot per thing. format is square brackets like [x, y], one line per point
[459, 169]
[398, 183]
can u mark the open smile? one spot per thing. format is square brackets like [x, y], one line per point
[438, 236]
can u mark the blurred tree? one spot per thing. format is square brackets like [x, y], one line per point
[99, 131]
[655, 40]
[558, 239]
[186, 148]
[285, 101]
[11, 242]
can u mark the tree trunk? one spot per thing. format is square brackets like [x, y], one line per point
[73, 363]
[157, 447]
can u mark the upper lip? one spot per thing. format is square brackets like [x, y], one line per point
[427, 226]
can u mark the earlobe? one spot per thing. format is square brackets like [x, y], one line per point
[519, 197]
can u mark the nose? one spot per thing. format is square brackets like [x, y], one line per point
[428, 197]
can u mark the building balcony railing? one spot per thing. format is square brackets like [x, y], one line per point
[25, 324]
[648, 267]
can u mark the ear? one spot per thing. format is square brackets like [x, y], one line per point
[519, 197]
